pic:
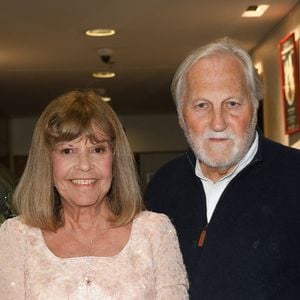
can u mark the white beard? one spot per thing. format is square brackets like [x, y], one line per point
[221, 155]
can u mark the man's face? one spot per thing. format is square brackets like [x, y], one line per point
[217, 112]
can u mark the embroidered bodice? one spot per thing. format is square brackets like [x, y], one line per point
[149, 266]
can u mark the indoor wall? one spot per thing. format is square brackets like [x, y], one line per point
[266, 55]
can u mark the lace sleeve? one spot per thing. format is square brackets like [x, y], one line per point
[12, 249]
[171, 278]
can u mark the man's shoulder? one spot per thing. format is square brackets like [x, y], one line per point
[172, 182]
[280, 152]
[184, 163]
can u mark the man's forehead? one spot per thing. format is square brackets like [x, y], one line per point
[215, 61]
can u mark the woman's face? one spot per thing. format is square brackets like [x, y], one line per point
[82, 170]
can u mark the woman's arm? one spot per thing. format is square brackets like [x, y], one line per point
[12, 255]
[171, 277]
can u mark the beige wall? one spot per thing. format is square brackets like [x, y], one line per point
[154, 133]
[267, 54]
[21, 134]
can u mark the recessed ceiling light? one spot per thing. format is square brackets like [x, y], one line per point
[100, 32]
[105, 98]
[104, 74]
[254, 11]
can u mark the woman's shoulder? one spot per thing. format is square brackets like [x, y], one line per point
[14, 225]
[150, 216]
[153, 221]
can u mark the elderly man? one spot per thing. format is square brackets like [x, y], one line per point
[235, 196]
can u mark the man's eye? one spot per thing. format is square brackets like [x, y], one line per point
[202, 105]
[231, 104]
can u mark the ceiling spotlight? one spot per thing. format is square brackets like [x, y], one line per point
[106, 98]
[104, 74]
[254, 11]
[100, 32]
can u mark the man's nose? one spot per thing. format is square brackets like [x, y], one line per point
[218, 120]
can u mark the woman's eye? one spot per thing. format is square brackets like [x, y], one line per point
[66, 151]
[99, 149]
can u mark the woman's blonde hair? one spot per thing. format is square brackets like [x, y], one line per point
[67, 117]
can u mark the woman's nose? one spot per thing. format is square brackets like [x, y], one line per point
[84, 162]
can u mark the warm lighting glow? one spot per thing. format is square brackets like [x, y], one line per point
[255, 11]
[104, 74]
[259, 68]
[105, 98]
[100, 32]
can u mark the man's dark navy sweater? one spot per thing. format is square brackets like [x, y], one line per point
[252, 245]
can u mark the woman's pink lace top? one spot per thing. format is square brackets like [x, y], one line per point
[150, 266]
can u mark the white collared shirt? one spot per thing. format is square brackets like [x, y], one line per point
[213, 190]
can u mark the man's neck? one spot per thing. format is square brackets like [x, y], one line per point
[214, 174]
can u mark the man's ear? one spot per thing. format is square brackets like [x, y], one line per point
[181, 121]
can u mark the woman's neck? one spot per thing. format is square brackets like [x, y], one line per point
[85, 217]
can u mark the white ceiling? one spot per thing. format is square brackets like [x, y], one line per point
[44, 52]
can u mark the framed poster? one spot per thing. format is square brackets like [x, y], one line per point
[290, 83]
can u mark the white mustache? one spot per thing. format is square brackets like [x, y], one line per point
[218, 135]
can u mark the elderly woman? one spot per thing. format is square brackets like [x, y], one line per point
[81, 232]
